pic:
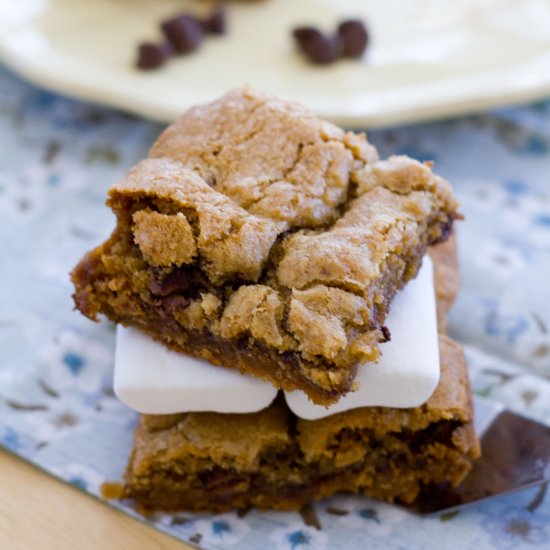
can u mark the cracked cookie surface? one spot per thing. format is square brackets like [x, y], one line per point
[259, 237]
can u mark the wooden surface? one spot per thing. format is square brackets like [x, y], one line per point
[38, 511]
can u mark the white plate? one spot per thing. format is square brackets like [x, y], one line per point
[429, 58]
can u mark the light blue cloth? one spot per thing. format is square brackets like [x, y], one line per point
[57, 159]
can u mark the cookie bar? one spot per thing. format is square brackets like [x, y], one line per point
[272, 459]
[259, 237]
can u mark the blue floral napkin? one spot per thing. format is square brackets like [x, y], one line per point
[57, 409]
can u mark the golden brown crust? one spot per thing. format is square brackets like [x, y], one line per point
[273, 158]
[257, 309]
[293, 228]
[164, 240]
[226, 439]
[230, 240]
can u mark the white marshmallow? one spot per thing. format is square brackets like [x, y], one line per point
[408, 371]
[154, 380]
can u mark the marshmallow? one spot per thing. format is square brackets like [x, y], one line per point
[155, 380]
[408, 371]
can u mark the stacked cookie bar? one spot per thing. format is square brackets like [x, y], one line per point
[264, 240]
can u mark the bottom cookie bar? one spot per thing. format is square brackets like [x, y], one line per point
[272, 459]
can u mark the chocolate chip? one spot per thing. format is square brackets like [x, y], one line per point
[217, 22]
[166, 306]
[289, 358]
[178, 280]
[175, 301]
[385, 333]
[219, 478]
[152, 56]
[303, 35]
[323, 50]
[156, 286]
[184, 32]
[242, 343]
[382, 464]
[320, 49]
[355, 37]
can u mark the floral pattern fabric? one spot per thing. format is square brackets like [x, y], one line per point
[57, 408]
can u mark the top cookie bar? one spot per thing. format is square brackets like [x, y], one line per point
[259, 237]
